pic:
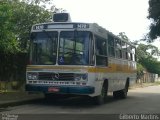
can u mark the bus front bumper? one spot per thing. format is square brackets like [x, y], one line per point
[80, 90]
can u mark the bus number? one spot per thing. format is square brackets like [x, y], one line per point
[82, 26]
[39, 27]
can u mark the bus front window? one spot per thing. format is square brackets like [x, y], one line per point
[43, 48]
[73, 48]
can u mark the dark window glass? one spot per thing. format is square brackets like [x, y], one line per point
[101, 46]
[43, 48]
[111, 49]
[129, 52]
[118, 48]
[101, 51]
[74, 48]
[124, 50]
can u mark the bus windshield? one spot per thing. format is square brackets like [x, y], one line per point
[74, 48]
[43, 48]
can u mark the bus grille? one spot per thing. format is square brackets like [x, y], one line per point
[56, 76]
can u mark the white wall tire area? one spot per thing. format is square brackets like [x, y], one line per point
[121, 94]
[102, 98]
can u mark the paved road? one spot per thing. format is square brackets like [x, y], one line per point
[140, 100]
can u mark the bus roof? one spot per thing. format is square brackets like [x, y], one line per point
[93, 27]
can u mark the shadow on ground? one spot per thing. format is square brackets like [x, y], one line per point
[74, 102]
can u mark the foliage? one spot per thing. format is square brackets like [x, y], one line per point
[123, 36]
[154, 15]
[152, 66]
[145, 58]
[16, 20]
[12, 66]
[25, 15]
[146, 51]
[140, 70]
[8, 41]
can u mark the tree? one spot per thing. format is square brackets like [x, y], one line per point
[154, 15]
[8, 42]
[123, 36]
[16, 20]
[140, 70]
[25, 15]
[146, 51]
[145, 58]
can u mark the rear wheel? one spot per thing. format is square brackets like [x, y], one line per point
[101, 99]
[121, 93]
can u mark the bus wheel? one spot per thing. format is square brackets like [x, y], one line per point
[101, 99]
[121, 93]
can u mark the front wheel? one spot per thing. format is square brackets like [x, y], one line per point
[101, 99]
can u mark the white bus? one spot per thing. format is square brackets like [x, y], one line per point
[71, 58]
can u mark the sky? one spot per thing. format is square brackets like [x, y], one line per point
[129, 16]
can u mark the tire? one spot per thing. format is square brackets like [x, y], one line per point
[102, 98]
[116, 94]
[122, 94]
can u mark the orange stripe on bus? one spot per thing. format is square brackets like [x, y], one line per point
[111, 68]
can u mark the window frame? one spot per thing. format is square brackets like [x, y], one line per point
[118, 48]
[111, 46]
[102, 58]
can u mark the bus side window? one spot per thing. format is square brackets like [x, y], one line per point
[111, 43]
[124, 50]
[101, 46]
[101, 51]
[118, 48]
[129, 52]
[133, 54]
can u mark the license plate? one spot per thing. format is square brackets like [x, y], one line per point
[53, 89]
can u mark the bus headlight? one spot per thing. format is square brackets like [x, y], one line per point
[32, 76]
[80, 77]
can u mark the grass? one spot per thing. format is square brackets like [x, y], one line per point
[157, 82]
[8, 91]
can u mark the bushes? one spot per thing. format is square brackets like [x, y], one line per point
[13, 67]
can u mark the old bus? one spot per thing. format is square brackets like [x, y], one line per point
[72, 58]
